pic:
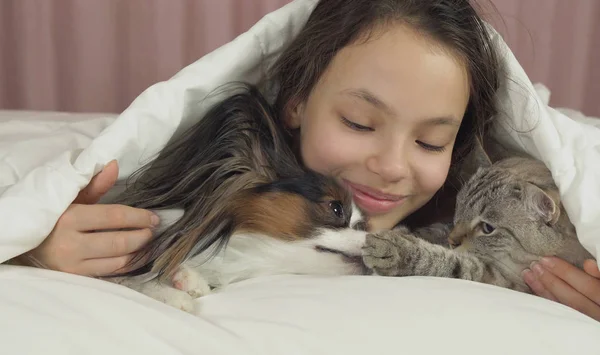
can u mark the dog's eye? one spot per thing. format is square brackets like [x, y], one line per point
[487, 228]
[337, 208]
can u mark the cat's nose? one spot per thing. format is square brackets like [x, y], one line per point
[455, 240]
[457, 235]
[453, 244]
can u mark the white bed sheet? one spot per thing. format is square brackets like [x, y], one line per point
[51, 313]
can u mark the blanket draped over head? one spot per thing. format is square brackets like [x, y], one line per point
[40, 179]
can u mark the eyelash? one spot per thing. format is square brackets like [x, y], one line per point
[356, 126]
[430, 147]
[361, 128]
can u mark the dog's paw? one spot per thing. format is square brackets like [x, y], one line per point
[176, 298]
[386, 253]
[190, 281]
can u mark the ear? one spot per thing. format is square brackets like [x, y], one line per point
[293, 114]
[541, 203]
[477, 158]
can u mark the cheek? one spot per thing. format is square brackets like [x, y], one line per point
[327, 150]
[431, 173]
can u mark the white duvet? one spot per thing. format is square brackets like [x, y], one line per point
[44, 163]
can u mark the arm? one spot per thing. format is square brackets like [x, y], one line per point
[437, 233]
[86, 239]
[400, 253]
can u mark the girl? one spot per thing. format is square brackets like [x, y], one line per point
[383, 95]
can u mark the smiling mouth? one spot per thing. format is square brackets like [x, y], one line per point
[372, 193]
[372, 201]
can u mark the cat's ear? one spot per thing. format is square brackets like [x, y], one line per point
[475, 159]
[541, 203]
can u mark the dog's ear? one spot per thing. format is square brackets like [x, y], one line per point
[265, 147]
[238, 144]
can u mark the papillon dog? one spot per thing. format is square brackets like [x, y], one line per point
[234, 204]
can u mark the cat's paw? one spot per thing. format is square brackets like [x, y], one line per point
[386, 253]
[190, 281]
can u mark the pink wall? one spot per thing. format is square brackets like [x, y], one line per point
[90, 55]
[558, 43]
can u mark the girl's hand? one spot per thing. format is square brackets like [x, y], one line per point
[557, 280]
[84, 240]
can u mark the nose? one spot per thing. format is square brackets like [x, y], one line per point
[457, 236]
[455, 241]
[390, 161]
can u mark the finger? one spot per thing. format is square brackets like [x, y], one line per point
[114, 244]
[99, 185]
[566, 294]
[100, 217]
[585, 284]
[591, 267]
[536, 286]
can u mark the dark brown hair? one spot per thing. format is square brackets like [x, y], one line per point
[232, 171]
[334, 24]
[242, 135]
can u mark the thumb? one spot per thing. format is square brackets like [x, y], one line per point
[99, 185]
[591, 267]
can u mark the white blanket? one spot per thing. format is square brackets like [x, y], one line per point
[38, 186]
[44, 164]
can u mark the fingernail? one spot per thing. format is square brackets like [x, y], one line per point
[154, 220]
[547, 262]
[538, 269]
[527, 275]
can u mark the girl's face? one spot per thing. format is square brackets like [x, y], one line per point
[383, 119]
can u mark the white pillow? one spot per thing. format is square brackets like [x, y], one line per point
[51, 313]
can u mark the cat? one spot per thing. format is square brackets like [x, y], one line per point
[508, 214]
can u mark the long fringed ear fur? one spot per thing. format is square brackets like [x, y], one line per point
[238, 144]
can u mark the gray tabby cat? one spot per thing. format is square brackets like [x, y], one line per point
[508, 214]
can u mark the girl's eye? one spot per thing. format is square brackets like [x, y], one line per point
[433, 148]
[356, 126]
[487, 228]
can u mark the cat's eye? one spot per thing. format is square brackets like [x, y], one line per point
[337, 208]
[487, 228]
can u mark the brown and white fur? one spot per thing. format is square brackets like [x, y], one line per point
[507, 216]
[246, 209]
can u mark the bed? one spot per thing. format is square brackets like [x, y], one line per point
[47, 157]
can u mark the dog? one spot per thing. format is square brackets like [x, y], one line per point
[234, 204]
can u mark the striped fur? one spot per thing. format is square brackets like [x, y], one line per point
[508, 215]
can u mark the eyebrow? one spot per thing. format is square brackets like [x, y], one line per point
[374, 101]
[370, 98]
[441, 121]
